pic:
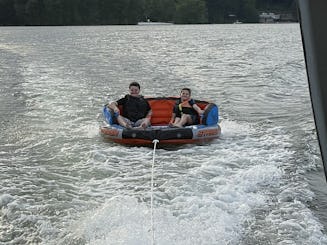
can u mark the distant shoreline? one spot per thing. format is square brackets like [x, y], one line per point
[145, 23]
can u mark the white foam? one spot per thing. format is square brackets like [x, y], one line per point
[126, 221]
[5, 199]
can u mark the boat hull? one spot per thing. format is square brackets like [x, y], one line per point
[165, 135]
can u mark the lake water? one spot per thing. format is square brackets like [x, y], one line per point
[262, 182]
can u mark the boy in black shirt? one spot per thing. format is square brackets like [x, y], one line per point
[136, 110]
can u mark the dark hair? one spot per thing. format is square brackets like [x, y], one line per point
[189, 90]
[136, 84]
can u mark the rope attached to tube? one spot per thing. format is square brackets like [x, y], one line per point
[155, 142]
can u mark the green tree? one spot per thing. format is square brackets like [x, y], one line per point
[71, 13]
[232, 8]
[112, 11]
[190, 12]
[216, 10]
[86, 12]
[33, 10]
[120, 12]
[89, 12]
[134, 11]
[19, 6]
[248, 12]
[53, 12]
[7, 12]
[160, 10]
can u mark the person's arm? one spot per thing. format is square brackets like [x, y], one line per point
[114, 106]
[174, 113]
[147, 120]
[172, 119]
[198, 109]
[148, 116]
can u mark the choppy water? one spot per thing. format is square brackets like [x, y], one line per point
[261, 183]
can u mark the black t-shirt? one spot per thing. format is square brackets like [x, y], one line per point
[134, 108]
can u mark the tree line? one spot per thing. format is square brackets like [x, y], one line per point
[120, 12]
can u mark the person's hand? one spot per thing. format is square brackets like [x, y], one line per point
[145, 123]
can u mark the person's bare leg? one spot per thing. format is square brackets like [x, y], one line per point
[177, 119]
[142, 124]
[122, 122]
[184, 119]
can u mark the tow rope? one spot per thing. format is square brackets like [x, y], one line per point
[155, 142]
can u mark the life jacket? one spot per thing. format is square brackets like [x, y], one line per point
[135, 108]
[185, 107]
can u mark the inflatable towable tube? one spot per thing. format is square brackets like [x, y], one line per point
[207, 129]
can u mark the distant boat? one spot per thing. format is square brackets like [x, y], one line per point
[149, 22]
[153, 23]
[237, 22]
